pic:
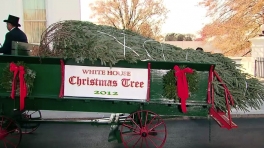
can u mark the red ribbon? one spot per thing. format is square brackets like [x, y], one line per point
[23, 87]
[13, 68]
[182, 85]
[62, 79]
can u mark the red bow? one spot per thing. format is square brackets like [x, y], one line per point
[182, 85]
[13, 68]
[23, 87]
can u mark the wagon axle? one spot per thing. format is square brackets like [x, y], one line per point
[144, 132]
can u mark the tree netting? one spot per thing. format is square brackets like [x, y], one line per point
[85, 40]
[80, 40]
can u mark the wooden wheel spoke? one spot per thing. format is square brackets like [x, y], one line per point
[9, 124]
[131, 133]
[152, 142]
[10, 143]
[141, 134]
[157, 131]
[146, 119]
[11, 131]
[141, 142]
[156, 126]
[152, 120]
[134, 122]
[5, 144]
[137, 141]
[130, 127]
[139, 117]
[146, 142]
[157, 138]
[134, 137]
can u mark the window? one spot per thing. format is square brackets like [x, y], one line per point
[34, 12]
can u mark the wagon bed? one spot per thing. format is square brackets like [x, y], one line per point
[65, 85]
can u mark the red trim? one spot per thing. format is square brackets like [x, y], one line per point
[228, 107]
[227, 91]
[210, 89]
[62, 78]
[149, 77]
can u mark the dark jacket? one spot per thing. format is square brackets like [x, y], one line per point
[14, 35]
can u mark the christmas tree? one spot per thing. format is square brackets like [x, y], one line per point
[85, 40]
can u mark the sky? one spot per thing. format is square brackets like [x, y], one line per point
[185, 16]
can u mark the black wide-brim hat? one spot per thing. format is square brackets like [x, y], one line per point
[13, 20]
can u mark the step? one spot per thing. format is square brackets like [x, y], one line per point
[221, 113]
[227, 120]
[222, 119]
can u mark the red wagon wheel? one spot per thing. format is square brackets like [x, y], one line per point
[10, 133]
[30, 127]
[143, 129]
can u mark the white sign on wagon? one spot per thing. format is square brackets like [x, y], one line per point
[105, 82]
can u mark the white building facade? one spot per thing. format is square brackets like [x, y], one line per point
[36, 15]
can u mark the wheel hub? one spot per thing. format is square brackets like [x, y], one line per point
[3, 134]
[144, 132]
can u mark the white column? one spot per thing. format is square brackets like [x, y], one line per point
[257, 49]
[59, 10]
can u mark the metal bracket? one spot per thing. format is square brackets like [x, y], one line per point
[114, 129]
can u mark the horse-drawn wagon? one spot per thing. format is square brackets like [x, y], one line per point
[134, 92]
[83, 67]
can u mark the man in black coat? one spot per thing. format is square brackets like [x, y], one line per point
[14, 34]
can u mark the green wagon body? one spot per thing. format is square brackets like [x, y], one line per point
[47, 86]
[45, 94]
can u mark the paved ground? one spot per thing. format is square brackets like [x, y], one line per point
[62, 114]
[181, 134]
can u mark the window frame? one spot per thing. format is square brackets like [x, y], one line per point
[28, 21]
